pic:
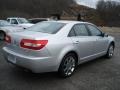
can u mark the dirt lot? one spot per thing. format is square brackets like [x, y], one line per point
[99, 74]
[111, 29]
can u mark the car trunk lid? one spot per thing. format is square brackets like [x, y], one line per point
[17, 37]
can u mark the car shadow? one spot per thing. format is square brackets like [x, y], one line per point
[92, 62]
[21, 74]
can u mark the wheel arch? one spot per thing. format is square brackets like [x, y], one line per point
[70, 51]
[113, 43]
[4, 34]
[2, 31]
[75, 53]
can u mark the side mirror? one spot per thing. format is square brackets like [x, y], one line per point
[104, 35]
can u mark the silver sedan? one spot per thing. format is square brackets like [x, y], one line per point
[57, 46]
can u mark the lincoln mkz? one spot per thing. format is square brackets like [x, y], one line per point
[57, 46]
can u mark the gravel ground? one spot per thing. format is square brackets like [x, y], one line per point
[99, 74]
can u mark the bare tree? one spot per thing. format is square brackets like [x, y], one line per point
[32, 8]
[109, 11]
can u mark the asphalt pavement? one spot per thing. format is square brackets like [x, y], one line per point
[99, 74]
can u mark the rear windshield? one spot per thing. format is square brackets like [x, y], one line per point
[47, 27]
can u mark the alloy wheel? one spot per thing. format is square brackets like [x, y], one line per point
[69, 66]
[111, 51]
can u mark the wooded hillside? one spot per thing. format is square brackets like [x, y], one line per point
[107, 13]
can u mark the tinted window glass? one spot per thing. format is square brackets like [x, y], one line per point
[47, 27]
[94, 31]
[14, 21]
[80, 30]
[72, 33]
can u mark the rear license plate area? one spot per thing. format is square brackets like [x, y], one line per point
[11, 59]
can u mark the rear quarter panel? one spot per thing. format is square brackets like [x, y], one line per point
[59, 47]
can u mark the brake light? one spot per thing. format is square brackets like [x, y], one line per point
[33, 44]
[8, 39]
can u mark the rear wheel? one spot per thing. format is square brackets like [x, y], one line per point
[68, 65]
[2, 35]
[110, 51]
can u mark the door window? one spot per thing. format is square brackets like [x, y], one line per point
[79, 30]
[72, 33]
[14, 21]
[94, 31]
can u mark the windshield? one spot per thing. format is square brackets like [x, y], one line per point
[4, 23]
[23, 20]
[47, 27]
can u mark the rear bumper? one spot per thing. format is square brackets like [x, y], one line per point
[35, 64]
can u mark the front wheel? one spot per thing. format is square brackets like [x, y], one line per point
[110, 51]
[68, 65]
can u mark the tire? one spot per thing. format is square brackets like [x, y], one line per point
[68, 65]
[2, 35]
[110, 51]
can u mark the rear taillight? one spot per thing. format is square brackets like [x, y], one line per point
[8, 39]
[33, 44]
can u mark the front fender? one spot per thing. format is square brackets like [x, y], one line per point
[111, 39]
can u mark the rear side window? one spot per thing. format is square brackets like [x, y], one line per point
[72, 33]
[14, 21]
[47, 27]
[93, 30]
[79, 30]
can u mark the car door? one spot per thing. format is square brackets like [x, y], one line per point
[82, 41]
[101, 43]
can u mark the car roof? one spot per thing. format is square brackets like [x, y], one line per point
[38, 18]
[68, 21]
[13, 17]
